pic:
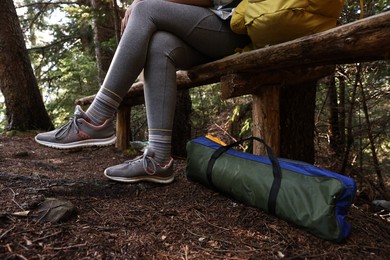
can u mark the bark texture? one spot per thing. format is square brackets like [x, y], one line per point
[24, 104]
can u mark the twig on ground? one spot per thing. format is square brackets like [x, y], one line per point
[6, 232]
[21, 257]
[14, 201]
[69, 247]
[42, 238]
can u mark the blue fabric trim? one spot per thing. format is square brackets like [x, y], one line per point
[292, 165]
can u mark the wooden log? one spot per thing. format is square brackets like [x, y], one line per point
[266, 119]
[84, 101]
[123, 127]
[235, 85]
[135, 96]
[364, 40]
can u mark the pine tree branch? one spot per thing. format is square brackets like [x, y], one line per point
[48, 3]
[44, 47]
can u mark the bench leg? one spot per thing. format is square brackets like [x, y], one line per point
[284, 118]
[123, 128]
[266, 119]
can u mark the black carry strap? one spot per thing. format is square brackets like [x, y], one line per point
[277, 172]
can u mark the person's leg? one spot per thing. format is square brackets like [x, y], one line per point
[194, 25]
[165, 54]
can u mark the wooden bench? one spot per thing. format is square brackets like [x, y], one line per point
[263, 73]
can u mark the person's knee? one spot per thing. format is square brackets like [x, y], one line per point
[145, 6]
[164, 44]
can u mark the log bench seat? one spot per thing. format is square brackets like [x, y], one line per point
[264, 73]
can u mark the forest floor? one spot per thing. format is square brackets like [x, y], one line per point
[183, 220]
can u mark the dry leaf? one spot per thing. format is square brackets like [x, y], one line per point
[55, 210]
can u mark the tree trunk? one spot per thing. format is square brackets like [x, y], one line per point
[24, 104]
[297, 109]
[342, 113]
[349, 136]
[182, 125]
[333, 116]
[104, 30]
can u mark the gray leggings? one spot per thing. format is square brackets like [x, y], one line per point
[162, 37]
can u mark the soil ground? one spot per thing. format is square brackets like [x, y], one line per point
[183, 220]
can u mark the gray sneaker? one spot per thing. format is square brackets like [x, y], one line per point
[143, 168]
[78, 132]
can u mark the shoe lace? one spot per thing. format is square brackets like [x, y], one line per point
[150, 167]
[65, 129]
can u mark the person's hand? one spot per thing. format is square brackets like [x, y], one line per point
[127, 15]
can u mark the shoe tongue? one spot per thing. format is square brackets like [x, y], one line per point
[78, 112]
[148, 152]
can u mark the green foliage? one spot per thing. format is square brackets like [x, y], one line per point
[242, 117]
[75, 77]
[352, 10]
[2, 113]
[138, 123]
[206, 106]
[211, 114]
[376, 86]
[367, 116]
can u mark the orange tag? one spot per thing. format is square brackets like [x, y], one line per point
[215, 139]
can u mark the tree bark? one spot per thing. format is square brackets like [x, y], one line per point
[24, 104]
[266, 119]
[297, 110]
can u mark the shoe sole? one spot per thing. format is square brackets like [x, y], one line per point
[84, 143]
[154, 179]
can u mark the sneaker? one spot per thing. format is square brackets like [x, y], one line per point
[79, 132]
[143, 168]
